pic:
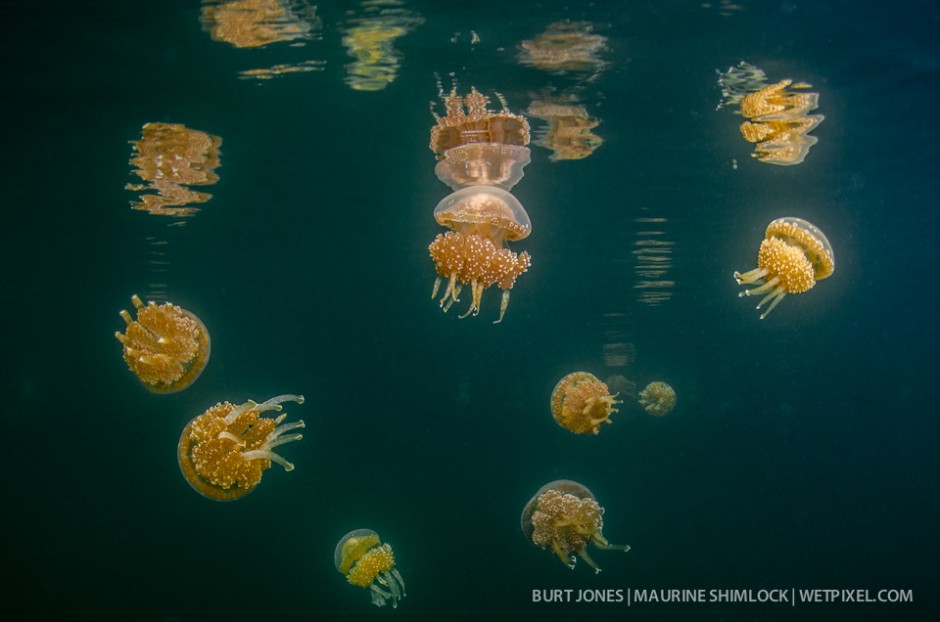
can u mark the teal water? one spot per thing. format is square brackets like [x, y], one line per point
[803, 448]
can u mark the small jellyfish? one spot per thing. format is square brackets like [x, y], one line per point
[366, 562]
[564, 517]
[658, 398]
[482, 219]
[224, 451]
[166, 347]
[792, 257]
[581, 403]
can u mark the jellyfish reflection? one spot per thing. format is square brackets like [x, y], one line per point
[778, 119]
[569, 134]
[792, 257]
[481, 154]
[565, 47]
[367, 563]
[224, 451]
[165, 346]
[370, 38]
[563, 517]
[169, 157]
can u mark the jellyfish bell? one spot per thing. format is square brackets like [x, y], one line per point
[166, 347]
[563, 517]
[792, 257]
[485, 210]
[366, 562]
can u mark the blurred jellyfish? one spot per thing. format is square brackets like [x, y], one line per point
[658, 398]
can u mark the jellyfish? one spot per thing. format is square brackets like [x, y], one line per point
[564, 517]
[658, 398]
[366, 562]
[166, 347]
[224, 451]
[482, 219]
[793, 256]
[581, 403]
[482, 155]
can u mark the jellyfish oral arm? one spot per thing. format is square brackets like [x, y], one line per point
[274, 439]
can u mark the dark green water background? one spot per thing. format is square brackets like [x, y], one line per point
[802, 452]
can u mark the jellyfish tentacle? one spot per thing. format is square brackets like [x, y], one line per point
[751, 276]
[583, 554]
[766, 287]
[777, 295]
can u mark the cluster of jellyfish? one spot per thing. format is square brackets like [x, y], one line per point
[224, 452]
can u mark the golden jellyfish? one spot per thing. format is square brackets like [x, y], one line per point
[658, 398]
[564, 517]
[581, 403]
[166, 347]
[368, 563]
[481, 154]
[224, 451]
[792, 257]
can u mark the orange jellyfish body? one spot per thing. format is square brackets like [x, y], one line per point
[792, 257]
[166, 347]
[224, 451]
[564, 517]
[581, 403]
[366, 562]
[658, 398]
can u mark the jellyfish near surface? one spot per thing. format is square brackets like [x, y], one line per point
[581, 403]
[224, 451]
[481, 155]
[166, 347]
[368, 563]
[563, 517]
[658, 398]
[792, 257]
